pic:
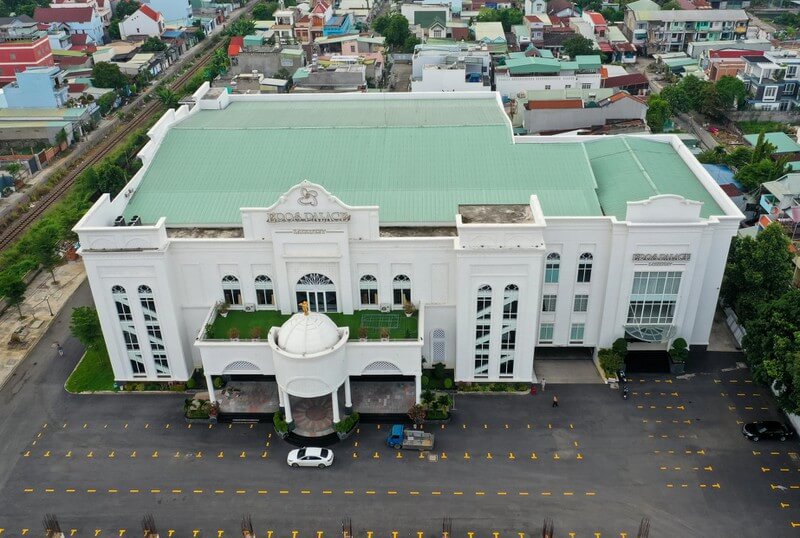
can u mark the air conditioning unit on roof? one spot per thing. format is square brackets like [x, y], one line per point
[385, 307]
[249, 307]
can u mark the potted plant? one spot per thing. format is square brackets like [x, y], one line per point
[417, 415]
[233, 333]
[678, 354]
[213, 411]
[384, 332]
[255, 333]
[408, 308]
[362, 334]
[223, 309]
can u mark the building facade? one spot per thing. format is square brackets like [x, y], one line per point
[578, 241]
[22, 45]
[36, 87]
[772, 80]
[142, 22]
[656, 32]
[522, 73]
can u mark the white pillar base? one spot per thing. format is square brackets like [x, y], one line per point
[418, 386]
[348, 398]
[210, 384]
[287, 408]
[335, 404]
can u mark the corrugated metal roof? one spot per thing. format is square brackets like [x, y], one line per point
[782, 142]
[417, 159]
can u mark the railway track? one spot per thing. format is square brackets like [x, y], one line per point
[94, 155]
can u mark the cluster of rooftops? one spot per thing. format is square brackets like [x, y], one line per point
[418, 159]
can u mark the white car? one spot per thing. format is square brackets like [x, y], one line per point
[310, 457]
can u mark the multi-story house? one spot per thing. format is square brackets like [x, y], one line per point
[656, 32]
[22, 45]
[521, 73]
[142, 22]
[772, 80]
[175, 12]
[36, 87]
[102, 7]
[78, 20]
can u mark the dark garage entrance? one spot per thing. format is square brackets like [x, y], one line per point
[647, 362]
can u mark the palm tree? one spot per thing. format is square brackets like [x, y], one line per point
[167, 97]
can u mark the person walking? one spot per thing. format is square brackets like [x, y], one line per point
[544, 382]
[555, 401]
[59, 349]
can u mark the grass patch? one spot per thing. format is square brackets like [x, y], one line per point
[755, 127]
[400, 327]
[93, 372]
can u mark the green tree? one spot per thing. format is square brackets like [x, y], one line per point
[199, 35]
[13, 169]
[61, 137]
[507, 16]
[106, 102]
[713, 156]
[264, 10]
[125, 8]
[85, 326]
[732, 92]
[167, 97]
[739, 157]
[113, 29]
[43, 247]
[194, 83]
[693, 87]
[772, 345]
[282, 74]
[410, 43]
[757, 269]
[108, 75]
[241, 27]
[753, 175]
[394, 27]
[762, 149]
[711, 104]
[658, 112]
[679, 101]
[578, 46]
[153, 44]
[671, 5]
[13, 289]
[107, 177]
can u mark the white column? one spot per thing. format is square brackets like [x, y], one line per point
[287, 408]
[281, 397]
[210, 383]
[418, 385]
[348, 399]
[335, 402]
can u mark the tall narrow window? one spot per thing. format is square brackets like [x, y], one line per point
[508, 335]
[585, 267]
[483, 329]
[231, 290]
[129, 336]
[576, 333]
[401, 290]
[154, 336]
[580, 303]
[549, 303]
[265, 295]
[368, 286]
[551, 267]
[546, 331]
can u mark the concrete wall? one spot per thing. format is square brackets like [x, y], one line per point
[266, 63]
[536, 121]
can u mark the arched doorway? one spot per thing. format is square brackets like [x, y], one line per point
[319, 291]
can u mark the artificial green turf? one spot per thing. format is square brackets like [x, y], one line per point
[406, 328]
[93, 372]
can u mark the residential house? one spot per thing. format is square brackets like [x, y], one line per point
[772, 80]
[66, 59]
[724, 63]
[338, 25]
[142, 22]
[175, 12]
[77, 20]
[373, 62]
[569, 110]
[784, 145]
[351, 44]
[19, 127]
[22, 45]
[519, 73]
[101, 7]
[181, 39]
[309, 26]
[597, 23]
[358, 9]
[563, 9]
[554, 37]
[780, 201]
[633, 83]
[700, 49]
[656, 31]
[535, 7]
[458, 67]
[266, 59]
[36, 87]
[428, 20]
[339, 78]
[458, 30]
[491, 35]
[285, 19]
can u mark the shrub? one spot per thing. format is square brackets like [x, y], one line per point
[610, 361]
[679, 351]
[427, 396]
[280, 424]
[425, 381]
[197, 408]
[362, 332]
[233, 333]
[191, 383]
[255, 333]
[178, 387]
[349, 422]
[218, 382]
[438, 371]
[437, 414]
[138, 387]
[497, 387]
[620, 347]
[384, 332]
[448, 383]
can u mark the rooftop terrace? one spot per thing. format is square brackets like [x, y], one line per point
[427, 156]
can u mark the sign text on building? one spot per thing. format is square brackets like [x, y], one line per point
[309, 216]
[661, 257]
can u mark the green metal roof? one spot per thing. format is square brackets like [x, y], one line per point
[780, 140]
[426, 18]
[214, 162]
[527, 65]
[590, 61]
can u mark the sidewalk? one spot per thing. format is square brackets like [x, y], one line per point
[43, 301]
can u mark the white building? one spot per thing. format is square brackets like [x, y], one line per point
[175, 12]
[459, 67]
[143, 21]
[522, 73]
[509, 248]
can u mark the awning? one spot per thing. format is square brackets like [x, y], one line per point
[605, 47]
[651, 333]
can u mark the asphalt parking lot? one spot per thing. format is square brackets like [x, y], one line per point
[596, 465]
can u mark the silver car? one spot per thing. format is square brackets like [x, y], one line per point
[310, 457]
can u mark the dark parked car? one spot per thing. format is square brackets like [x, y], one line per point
[767, 429]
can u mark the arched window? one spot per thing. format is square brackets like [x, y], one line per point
[401, 290]
[265, 295]
[551, 267]
[585, 267]
[483, 329]
[508, 333]
[154, 336]
[231, 290]
[129, 336]
[368, 286]
[318, 290]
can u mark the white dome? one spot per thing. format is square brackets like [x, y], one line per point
[305, 334]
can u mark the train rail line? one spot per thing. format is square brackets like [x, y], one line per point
[94, 155]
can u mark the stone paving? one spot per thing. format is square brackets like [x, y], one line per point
[383, 396]
[43, 300]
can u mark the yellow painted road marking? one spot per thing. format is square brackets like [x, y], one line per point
[197, 491]
[436, 492]
[348, 492]
[546, 494]
[413, 492]
[264, 492]
[242, 491]
[28, 490]
[370, 492]
[155, 491]
[219, 491]
[134, 491]
[391, 492]
[177, 491]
